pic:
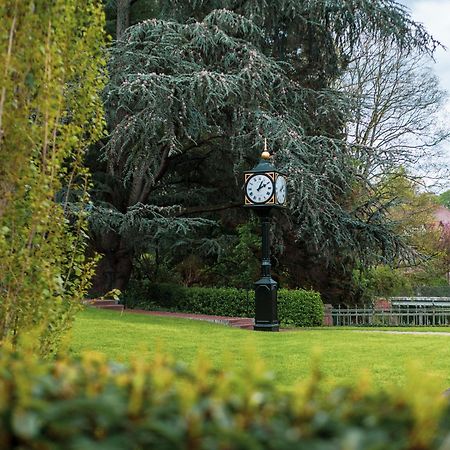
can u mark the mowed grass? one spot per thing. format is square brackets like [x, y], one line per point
[343, 354]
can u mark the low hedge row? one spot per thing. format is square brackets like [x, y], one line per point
[89, 404]
[299, 308]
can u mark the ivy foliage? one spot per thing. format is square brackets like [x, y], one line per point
[52, 70]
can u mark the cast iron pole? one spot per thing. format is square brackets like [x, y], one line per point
[266, 315]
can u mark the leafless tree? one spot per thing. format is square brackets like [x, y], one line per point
[396, 118]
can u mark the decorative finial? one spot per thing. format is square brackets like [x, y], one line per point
[265, 154]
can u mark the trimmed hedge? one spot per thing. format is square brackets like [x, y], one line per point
[89, 404]
[300, 308]
[295, 307]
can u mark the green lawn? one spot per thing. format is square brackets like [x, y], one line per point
[344, 353]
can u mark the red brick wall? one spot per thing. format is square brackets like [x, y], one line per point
[327, 317]
[382, 304]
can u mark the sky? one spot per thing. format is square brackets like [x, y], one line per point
[435, 16]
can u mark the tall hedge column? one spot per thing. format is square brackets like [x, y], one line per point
[52, 73]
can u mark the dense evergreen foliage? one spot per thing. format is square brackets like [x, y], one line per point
[51, 75]
[196, 88]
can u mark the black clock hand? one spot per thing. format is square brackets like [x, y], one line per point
[261, 186]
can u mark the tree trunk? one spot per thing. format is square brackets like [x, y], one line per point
[115, 267]
[123, 17]
[309, 270]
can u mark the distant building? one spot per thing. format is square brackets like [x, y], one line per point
[442, 215]
[442, 220]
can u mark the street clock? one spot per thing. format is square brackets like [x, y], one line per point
[265, 186]
[264, 190]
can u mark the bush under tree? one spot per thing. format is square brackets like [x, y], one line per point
[298, 308]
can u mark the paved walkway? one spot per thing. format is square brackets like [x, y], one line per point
[245, 323]
[426, 333]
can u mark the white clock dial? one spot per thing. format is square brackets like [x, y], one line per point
[280, 189]
[259, 188]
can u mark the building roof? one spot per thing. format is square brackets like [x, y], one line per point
[442, 215]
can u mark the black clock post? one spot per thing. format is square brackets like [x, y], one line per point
[266, 309]
[265, 189]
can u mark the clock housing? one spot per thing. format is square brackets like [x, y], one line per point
[264, 186]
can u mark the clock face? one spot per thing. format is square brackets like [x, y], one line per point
[259, 188]
[280, 189]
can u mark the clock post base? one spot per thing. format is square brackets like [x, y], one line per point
[266, 314]
[266, 327]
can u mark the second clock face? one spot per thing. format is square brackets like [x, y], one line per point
[259, 188]
[280, 187]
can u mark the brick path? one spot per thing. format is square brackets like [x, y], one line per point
[244, 323]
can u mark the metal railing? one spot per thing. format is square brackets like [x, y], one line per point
[396, 315]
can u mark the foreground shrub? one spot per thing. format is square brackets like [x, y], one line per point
[295, 307]
[91, 404]
[51, 60]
